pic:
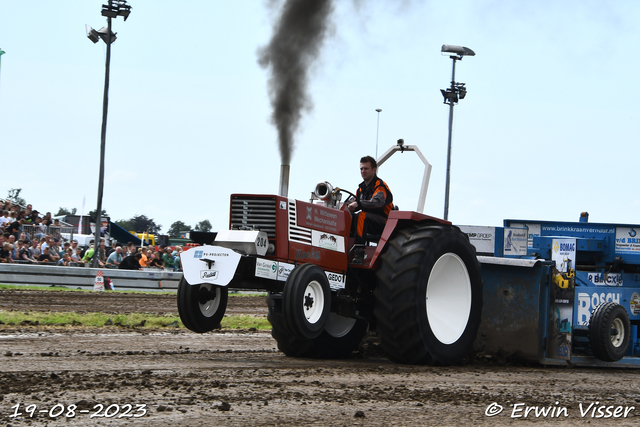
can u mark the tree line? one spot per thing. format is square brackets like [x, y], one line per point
[137, 223]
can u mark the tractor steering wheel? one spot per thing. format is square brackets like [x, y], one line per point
[354, 197]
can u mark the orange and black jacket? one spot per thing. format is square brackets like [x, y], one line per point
[375, 198]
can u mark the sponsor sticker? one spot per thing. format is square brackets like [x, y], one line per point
[266, 269]
[515, 241]
[208, 274]
[327, 241]
[336, 281]
[284, 269]
[634, 304]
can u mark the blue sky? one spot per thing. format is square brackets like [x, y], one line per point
[548, 129]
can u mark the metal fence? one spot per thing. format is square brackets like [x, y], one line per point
[34, 231]
[25, 274]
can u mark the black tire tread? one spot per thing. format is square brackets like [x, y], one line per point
[291, 305]
[324, 346]
[189, 309]
[396, 311]
[600, 323]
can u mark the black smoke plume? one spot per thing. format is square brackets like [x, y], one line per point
[297, 39]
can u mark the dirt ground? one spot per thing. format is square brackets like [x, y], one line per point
[113, 376]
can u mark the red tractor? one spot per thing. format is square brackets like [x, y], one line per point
[419, 287]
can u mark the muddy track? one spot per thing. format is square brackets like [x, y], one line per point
[116, 302]
[98, 376]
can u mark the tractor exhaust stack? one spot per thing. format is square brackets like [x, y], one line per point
[284, 181]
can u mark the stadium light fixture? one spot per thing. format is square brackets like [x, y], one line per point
[112, 9]
[452, 95]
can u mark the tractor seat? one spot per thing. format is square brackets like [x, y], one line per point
[372, 238]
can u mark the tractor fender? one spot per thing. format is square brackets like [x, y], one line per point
[398, 219]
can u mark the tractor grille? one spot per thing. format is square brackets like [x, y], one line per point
[297, 234]
[254, 213]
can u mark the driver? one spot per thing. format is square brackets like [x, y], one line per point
[375, 201]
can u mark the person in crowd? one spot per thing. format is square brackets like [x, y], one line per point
[77, 255]
[88, 254]
[54, 229]
[46, 256]
[156, 260]
[111, 249]
[23, 253]
[4, 219]
[71, 254]
[65, 248]
[47, 218]
[131, 262]
[177, 266]
[54, 249]
[131, 249]
[35, 249]
[168, 260]
[28, 215]
[88, 257]
[39, 229]
[64, 261]
[74, 245]
[48, 241]
[31, 215]
[15, 228]
[24, 236]
[5, 253]
[143, 258]
[103, 253]
[115, 258]
[14, 247]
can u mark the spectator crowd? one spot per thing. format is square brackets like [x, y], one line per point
[28, 238]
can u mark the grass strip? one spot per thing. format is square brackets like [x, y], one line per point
[232, 293]
[67, 289]
[132, 320]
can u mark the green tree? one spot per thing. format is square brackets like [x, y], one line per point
[14, 197]
[103, 215]
[65, 211]
[177, 227]
[125, 223]
[143, 224]
[203, 226]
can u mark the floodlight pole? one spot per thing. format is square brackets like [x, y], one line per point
[103, 143]
[121, 8]
[2, 52]
[377, 130]
[451, 104]
[451, 96]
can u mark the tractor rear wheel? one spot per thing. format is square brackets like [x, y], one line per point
[340, 337]
[428, 299]
[201, 307]
[609, 331]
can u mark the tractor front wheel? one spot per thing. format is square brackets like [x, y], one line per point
[428, 298]
[306, 301]
[201, 307]
[340, 337]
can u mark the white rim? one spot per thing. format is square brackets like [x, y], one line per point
[210, 307]
[618, 338]
[338, 326]
[448, 298]
[313, 302]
